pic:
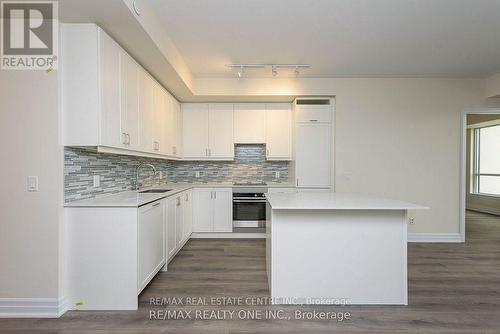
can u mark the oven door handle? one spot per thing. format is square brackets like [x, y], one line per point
[249, 200]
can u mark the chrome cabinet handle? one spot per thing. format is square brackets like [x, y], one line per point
[186, 197]
[215, 195]
[156, 204]
[124, 138]
[313, 120]
[209, 152]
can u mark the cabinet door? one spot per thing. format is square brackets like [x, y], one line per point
[176, 127]
[314, 113]
[151, 241]
[313, 155]
[168, 124]
[279, 131]
[187, 215]
[223, 210]
[203, 210]
[195, 130]
[220, 131]
[129, 91]
[109, 53]
[159, 120]
[171, 233]
[146, 111]
[250, 123]
[179, 221]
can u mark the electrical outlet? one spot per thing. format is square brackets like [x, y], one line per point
[197, 174]
[160, 175]
[412, 221]
[277, 174]
[32, 183]
[97, 181]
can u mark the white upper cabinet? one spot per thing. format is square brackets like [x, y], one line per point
[195, 130]
[220, 131]
[109, 70]
[279, 131]
[146, 111]
[313, 113]
[110, 101]
[159, 120]
[129, 115]
[174, 127]
[207, 131]
[249, 123]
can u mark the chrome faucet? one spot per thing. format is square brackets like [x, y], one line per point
[137, 173]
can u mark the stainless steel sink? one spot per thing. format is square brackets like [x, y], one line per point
[154, 191]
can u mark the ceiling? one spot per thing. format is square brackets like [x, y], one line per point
[340, 38]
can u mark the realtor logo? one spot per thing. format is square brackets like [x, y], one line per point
[29, 35]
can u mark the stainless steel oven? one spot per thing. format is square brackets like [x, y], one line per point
[249, 210]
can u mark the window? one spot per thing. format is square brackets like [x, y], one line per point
[486, 164]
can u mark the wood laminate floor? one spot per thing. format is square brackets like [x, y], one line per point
[453, 288]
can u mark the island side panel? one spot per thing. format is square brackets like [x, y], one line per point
[102, 258]
[337, 255]
[269, 213]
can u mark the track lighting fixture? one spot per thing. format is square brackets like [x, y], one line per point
[274, 68]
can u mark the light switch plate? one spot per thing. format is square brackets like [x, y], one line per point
[277, 174]
[32, 183]
[97, 181]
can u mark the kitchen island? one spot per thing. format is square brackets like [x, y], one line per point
[336, 248]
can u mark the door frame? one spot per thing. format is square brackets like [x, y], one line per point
[463, 162]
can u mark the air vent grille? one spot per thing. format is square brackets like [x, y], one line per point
[313, 101]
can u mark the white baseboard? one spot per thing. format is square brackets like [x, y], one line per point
[434, 237]
[32, 307]
[228, 235]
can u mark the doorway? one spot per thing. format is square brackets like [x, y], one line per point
[480, 163]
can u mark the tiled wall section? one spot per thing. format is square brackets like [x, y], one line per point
[117, 172]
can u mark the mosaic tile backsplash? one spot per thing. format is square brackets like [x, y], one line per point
[117, 172]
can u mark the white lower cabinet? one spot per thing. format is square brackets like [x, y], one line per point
[179, 222]
[112, 254]
[151, 241]
[213, 210]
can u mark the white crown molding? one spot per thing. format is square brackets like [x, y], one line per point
[32, 307]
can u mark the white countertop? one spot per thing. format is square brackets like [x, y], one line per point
[136, 199]
[335, 201]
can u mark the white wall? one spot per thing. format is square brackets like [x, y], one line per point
[29, 224]
[398, 138]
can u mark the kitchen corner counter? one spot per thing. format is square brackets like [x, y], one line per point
[135, 199]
